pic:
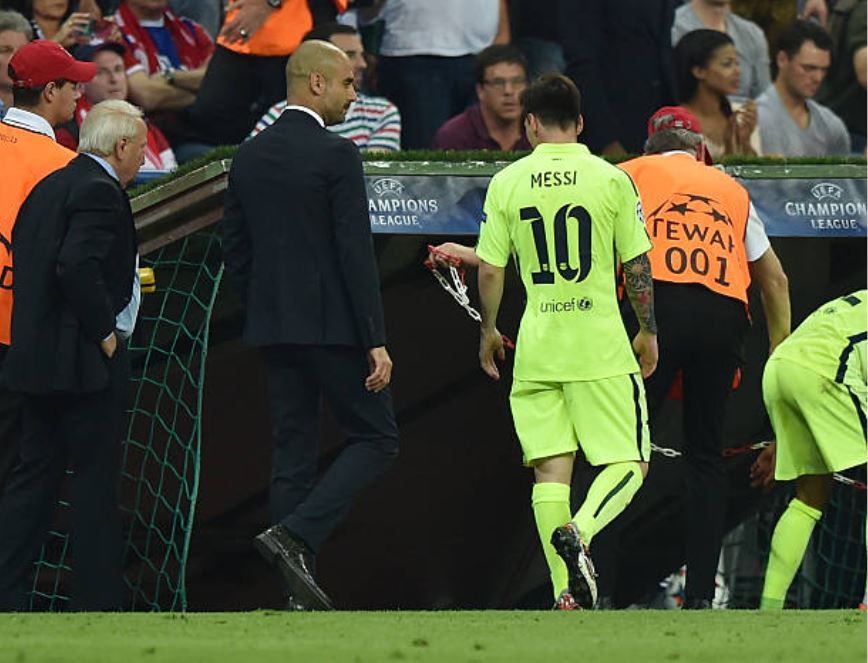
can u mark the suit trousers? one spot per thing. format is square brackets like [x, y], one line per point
[298, 377]
[81, 432]
[10, 426]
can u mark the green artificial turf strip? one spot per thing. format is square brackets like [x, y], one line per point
[260, 637]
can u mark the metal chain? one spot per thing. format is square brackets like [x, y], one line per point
[737, 451]
[458, 290]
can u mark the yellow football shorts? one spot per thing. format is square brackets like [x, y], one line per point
[818, 423]
[607, 418]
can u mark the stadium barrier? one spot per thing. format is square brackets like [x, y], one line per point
[425, 198]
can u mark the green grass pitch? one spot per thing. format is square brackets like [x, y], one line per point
[452, 637]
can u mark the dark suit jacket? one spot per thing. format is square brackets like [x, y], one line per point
[74, 249]
[297, 238]
[619, 53]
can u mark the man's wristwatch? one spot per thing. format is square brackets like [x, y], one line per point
[274, 4]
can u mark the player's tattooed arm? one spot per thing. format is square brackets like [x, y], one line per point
[640, 290]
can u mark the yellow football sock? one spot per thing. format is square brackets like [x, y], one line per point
[609, 495]
[789, 542]
[551, 509]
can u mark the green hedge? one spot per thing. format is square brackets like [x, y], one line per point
[486, 157]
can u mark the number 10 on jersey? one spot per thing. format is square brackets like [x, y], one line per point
[562, 227]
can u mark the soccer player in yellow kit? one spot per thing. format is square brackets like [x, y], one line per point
[570, 218]
[814, 387]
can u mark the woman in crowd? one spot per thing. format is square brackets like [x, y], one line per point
[707, 74]
[65, 21]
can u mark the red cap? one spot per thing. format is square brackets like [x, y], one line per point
[678, 117]
[673, 117]
[42, 61]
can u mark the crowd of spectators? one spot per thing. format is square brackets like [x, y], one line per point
[771, 77]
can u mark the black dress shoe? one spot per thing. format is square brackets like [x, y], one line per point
[697, 604]
[278, 547]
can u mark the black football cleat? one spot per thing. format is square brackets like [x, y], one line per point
[582, 577]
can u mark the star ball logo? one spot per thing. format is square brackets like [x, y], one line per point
[393, 205]
[829, 209]
[695, 234]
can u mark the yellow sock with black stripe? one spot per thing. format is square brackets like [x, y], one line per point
[551, 509]
[789, 542]
[609, 495]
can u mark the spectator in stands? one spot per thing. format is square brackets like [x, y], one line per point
[15, 31]
[372, 123]
[110, 82]
[844, 88]
[770, 15]
[706, 71]
[247, 75]
[495, 122]
[57, 20]
[815, 9]
[790, 122]
[535, 27]
[166, 55]
[619, 54]
[431, 47]
[750, 42]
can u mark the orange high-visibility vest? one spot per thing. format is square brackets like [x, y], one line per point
[696, 217]
[281, 33]
[27, 157]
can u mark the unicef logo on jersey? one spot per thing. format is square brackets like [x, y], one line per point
[390, 204]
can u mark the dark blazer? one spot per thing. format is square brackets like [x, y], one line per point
[74, 248]
[297, 238]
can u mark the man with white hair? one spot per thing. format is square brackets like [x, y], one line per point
[76, 301]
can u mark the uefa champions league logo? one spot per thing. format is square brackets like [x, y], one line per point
[825, 190]
[387, 187]
[394, 206]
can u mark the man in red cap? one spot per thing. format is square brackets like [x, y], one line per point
[45, 81]
[709, 244]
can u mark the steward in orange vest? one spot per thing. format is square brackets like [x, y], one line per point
[44, 80]
[696, 217]
[708, 244]
[44, 93]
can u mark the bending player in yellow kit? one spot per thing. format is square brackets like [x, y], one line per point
[569, 218]
[814, 387]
